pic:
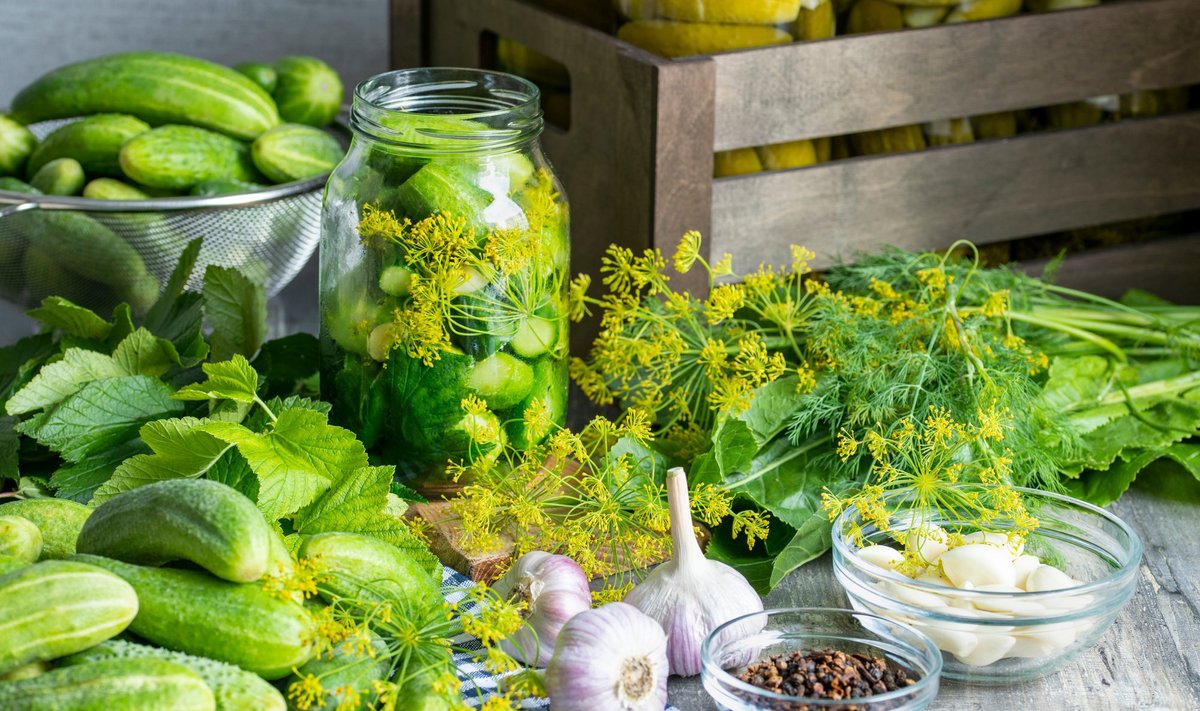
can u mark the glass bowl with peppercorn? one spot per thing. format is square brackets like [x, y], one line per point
[810, 659]
[1005, 600]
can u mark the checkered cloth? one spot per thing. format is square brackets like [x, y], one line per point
[478, 684]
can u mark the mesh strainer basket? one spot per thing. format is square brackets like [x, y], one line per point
[268, 235]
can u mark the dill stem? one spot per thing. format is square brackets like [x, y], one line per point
[1071, 330]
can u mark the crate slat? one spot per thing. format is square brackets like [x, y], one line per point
[857, 83]
[986, 191]
[1168, 267]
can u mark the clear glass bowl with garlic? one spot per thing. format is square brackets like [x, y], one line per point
[1000, 608]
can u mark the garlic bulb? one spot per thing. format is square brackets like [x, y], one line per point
[554, 589]
[691, 595]
[613, 658]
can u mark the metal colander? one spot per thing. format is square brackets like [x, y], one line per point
[268, 235]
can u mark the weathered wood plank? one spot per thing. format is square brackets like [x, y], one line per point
[406, 23]
[986, 191]
[1146, 660]
[1168, 267]
[852, 84]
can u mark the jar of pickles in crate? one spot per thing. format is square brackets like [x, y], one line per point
[444, 269]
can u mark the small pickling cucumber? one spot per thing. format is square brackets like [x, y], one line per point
[369, 570]
[28, 671]
[179, 157]
[61, 176]
[501, 380]
[20, 538]
[206, 522]
[59, 607]
[45, 276]
[112, 685]
[347, 670]
[295, 152]
[112, 189]
[16, 185]
[438, 188]
[59, 520]
[535, 335]
[9, 563]
[307, 91]
[233, 689]
[157, 87]
[17, 143]
[239, 623]
[549, 391]
[94, 141]
[395, 280]
[262, 74]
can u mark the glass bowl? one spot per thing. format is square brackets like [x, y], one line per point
[807, 629]
[1001, 637]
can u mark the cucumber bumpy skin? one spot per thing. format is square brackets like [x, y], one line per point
[111, 685]
[59, 520]
[59, 607]
[20, 538]
[180, 157]
[202, 521]
[157, 87]
[94, 141]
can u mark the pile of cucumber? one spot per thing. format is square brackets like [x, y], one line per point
[157, 600]
[151, 124]
[158, 124]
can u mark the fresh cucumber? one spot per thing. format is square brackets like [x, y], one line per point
[44, 277]
[17, 143]
[366, 569]
[206, 522]
[262, 74]
[233, 689]
[222, 186]
[550, 392]
[535, 335]
[501, 380]
[295, 152]
[112, 189]
[59, 520]
[179, 157]
[307, 91]
[239, 623]
[395, 280]
[61, 176]
[59, 607]
[9, 563]
[94, 141]
[111, 685]
[440, 188]
[157, 87]
[20, 538]
[345, 671]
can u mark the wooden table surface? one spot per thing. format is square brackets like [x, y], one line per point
[1147, 659]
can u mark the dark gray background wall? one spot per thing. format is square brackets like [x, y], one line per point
[39, 35]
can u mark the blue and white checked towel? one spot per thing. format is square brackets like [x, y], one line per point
[478, 684]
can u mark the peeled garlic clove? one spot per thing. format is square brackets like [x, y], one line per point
[978, 564]
[989, 649]
[1022, 567]
[1047, 577]
[929, 541]
[1043, 643]
[1008, 604]
[957, 642]
[881, 556]
[913, 596]
[554, 589]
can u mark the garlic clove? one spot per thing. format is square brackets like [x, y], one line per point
[1015, 545]
[958, 642]
[691, 595]
[929, 541]
[613, 658]
[1022, 567]
[881, 556]
[1043, 643]
[977, 564]
[1047, 577]
[913, 596]
[1008, 604]
[554, 589]
[989, 649]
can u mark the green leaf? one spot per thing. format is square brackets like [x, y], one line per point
[353, 504]
[404, 493]
[1104, 487]
[1159, 426]
[295, 461]
[58, 380]
[236, 309]
[143, 353]
[286, 364]
[168, 301]
[773, 405]
[233, 470]
[233, 379]
[1186, 456]
[122, 325]
[57, 312]
[102, 414]
[181, 450]
[19, 361]
[812, 539]
[10, 446]
[79, 481]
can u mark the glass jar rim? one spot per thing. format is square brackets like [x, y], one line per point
[447, 110]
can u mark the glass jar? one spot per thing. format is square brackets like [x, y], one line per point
[443, 271]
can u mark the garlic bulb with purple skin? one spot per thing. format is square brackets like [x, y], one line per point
[613, 658]
[554, 589]
[691, 595]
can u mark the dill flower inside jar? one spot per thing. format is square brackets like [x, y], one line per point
[443, 270]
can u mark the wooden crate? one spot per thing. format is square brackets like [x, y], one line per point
[637, 158]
